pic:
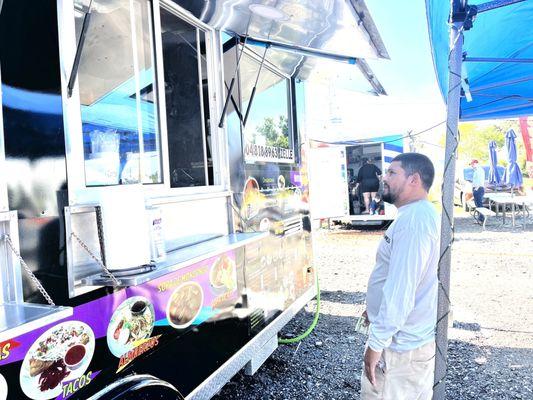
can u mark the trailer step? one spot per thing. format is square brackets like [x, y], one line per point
[261, 355]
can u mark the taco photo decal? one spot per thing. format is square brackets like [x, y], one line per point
[62, 353]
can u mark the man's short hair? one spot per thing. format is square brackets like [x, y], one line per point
[418, 163]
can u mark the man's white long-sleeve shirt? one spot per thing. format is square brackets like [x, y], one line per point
[402, 289]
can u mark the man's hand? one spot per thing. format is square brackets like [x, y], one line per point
[371, 361]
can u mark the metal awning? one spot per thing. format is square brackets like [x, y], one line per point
[338, 26]
[300, 32]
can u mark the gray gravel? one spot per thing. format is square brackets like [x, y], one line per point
[491, 340]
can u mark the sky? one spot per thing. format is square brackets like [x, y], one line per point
[403, 28]
[414, 102]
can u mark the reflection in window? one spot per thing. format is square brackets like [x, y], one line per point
[185, 83]
[116, 79]
[268, 120]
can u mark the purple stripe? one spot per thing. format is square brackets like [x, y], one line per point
[98, 313]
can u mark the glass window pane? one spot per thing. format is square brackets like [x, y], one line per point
[268, 119]
[186, 142]
[207, 116]
[115, 66]
[152, 168]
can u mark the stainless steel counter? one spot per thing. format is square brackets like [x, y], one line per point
[19, 318]
[181, 258]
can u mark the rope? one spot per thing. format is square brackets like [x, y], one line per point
[391, 140]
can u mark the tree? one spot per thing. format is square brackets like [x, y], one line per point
[474, 140]
[275, 134]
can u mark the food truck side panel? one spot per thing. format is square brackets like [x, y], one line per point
[270, 190]
[180, 327]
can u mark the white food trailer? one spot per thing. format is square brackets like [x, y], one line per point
[333, 171]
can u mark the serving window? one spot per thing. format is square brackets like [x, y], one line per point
[268, 131]
[144, 81]
[186, 98]
[118, 93]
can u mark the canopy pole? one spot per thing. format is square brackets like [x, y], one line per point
[492, 5]
[500, 60]
[452, 141]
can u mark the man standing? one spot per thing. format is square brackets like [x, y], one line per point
[478, 186]
[402, 290]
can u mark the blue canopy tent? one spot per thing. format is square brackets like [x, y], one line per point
[483, 57]
[497, 68]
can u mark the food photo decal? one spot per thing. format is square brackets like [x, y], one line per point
[185, 304]
[223, 273]
[132, 321]
[60, 354]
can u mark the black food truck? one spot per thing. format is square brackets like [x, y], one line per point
[153, 189]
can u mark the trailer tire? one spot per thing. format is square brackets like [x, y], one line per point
[138, 387]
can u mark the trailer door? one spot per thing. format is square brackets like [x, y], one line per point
[328, 182]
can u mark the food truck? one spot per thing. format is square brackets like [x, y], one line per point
[153, 188]
[334, 167]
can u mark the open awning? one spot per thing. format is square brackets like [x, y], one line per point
[342, 27]
[299, 32]
[497, 57]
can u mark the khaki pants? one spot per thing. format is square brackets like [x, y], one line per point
[406, 376]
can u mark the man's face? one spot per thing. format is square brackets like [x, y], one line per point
[394, 182]
[474, 165]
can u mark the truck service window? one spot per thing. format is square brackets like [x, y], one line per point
[267, 134]
[121, 134]
[186, 113]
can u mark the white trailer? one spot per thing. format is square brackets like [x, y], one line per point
[333, 170]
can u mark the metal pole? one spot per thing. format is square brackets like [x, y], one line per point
[454, 98]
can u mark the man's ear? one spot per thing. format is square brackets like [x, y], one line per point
[415, 179]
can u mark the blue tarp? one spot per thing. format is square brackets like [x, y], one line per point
[498, 89]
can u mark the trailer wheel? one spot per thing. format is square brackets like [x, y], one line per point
[149, 393]
[138, 387]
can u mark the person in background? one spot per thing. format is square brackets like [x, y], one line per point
[401, 299]
[375, 205]
[368, 177]
[478, 186]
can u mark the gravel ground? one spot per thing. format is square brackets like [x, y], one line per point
[491, 340]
